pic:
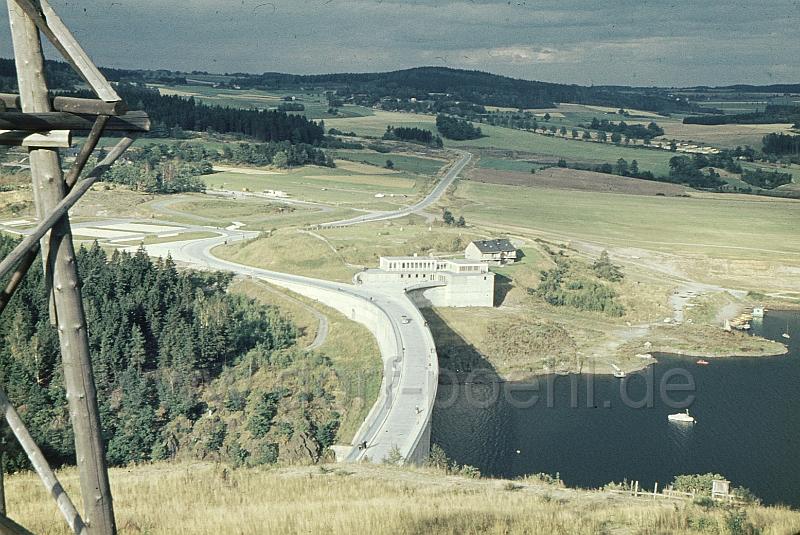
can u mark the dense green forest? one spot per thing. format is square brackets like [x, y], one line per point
[782, 144]
[773, 113]
[475, 87]
[172, 111]
[457, 129]
[415, 135]
[183, 368]
[692, 172]
[765, 179]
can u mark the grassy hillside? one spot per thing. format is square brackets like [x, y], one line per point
[351, 499]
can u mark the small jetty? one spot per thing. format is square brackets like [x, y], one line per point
[740, 322]
[618, 373]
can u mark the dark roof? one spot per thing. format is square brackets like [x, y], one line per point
[494, 246]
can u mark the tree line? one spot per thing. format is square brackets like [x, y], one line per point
[772, 113]
[457, 129]
[631, 130]
[413, 134]
[182, 366]
[781, 144]
[162, 168]
[171, 111]
[407, 89]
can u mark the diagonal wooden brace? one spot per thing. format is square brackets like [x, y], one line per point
[62, 39]
[41, 466]
[31, 240]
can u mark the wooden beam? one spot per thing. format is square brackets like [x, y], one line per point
[90, 106]
[30, 241]
[9, 527]
[133, 121]
[41, 466]
[27, 261]
[61, 275]
[55, 139]
[62, 39]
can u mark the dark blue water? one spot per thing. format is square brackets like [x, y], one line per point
[596, 429]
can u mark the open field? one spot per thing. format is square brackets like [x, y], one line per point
[410, 164]
[571, 179]
[653, 160]
[727, 226]
[338, 253]
[202, 498]
[516, 140]
[375, 125]
[345, 186]
[289, 251]
[316, 105]
[723, 136]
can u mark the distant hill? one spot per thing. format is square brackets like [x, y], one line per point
[476, 87]
[424, 83]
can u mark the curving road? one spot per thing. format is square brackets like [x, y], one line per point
[399, 421]
[400, 417]
[431, 198]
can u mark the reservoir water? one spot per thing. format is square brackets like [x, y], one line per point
[596, 429]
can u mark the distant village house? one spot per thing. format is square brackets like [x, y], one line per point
[497, 252]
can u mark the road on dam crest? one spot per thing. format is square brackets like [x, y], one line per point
[400, 418]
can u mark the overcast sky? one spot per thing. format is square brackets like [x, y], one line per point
[631, 42]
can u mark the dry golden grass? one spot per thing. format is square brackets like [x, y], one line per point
[348, 499]
[291, 252]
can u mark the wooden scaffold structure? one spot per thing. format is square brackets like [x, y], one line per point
[43, 123]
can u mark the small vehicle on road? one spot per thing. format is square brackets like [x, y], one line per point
[405, 320]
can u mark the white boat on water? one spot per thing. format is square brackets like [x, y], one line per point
[681, 417]
[786, 335]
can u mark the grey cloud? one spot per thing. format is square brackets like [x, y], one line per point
[647, 42]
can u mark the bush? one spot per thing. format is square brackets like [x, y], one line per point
[394, 457]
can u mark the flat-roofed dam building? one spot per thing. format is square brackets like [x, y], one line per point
[433, 281]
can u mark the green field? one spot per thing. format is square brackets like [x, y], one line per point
[330, 186]
[316, 105]
[503, 164]
[735, 226]
[653, 160]
[501, 138]
[375, 125]
[411, 164]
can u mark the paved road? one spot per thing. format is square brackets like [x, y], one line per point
[402, 413]
[431, 198]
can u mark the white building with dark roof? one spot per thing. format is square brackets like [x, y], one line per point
[499, 251]
[433, 281]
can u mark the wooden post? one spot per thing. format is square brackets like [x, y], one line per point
[61, 209]
[39, 463]
[60, 268]
[2, 478]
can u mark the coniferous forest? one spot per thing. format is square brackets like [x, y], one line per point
[183, 368]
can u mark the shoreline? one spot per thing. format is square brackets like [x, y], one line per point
[628, 367]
